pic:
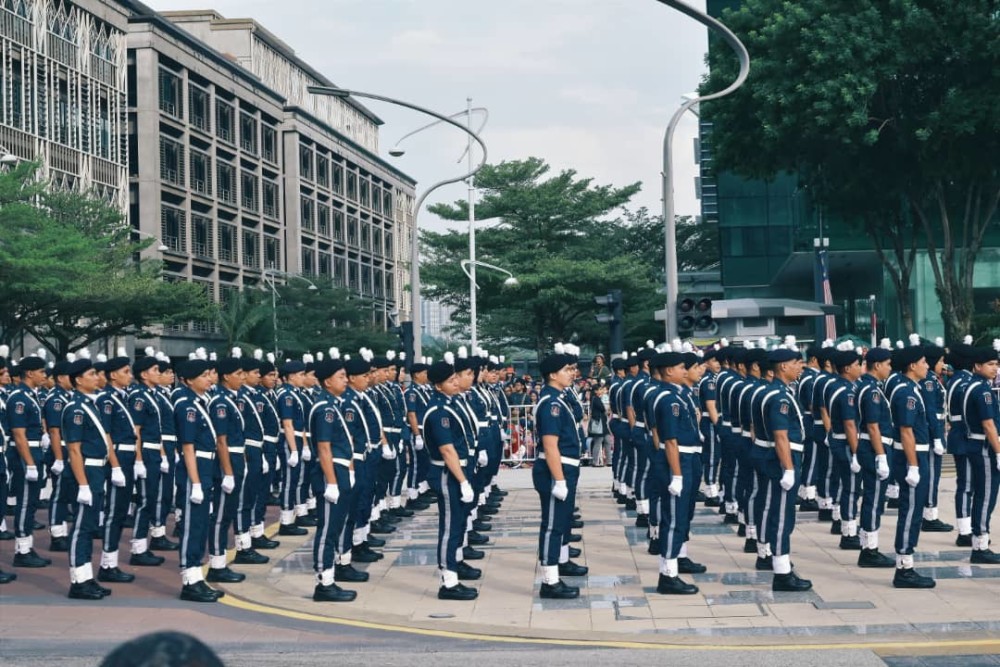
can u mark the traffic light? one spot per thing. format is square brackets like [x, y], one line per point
[614, 317]
[406, 341]
[704, 324]
[686, 316]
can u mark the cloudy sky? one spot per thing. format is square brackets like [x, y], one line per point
[585, 84]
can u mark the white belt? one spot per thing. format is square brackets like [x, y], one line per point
[940, 415]
[253, 443]
[763, 443]
[614, 416]
[150, 447]
[392, 430]
[96, 463]
[34, 443]
[236, 450]
[746, 434]
[373, 447]
[344, 462]
[623, 419]
[886, 440]
[169, 438]
[299, 434]
[920, 448]
[956, 419]
[685, 449]
[726, 423]
[706, 414]
[271, 438]
[565, 460]
[640, 425]
[204, 455]
[838, 436]
[817, 422]
[440, 464]
[794, 446]
[482, 424]
[736, 429]
[977, 436]
[125, 448]
[358, 457]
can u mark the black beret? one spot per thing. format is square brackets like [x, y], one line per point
[757, 356]
[418, 368]
[357, 366]
[617, 364]
[812, 352]
[143, 364]
[877, 354]
[982, 355]
[646, 354]
[192, 368]
[250, 364]
[293, 366]
[783, 354]
[266, 367]
[440, 371]
[327, 368]
[737, 355]
[903, 357]
[78, 367]
[933, 353]
[553, 363]
[164, 364]
[711, 353]
[667, 360]
[692, 359]
[31, 364]
[115, 363]
[631, 361]
[60, 367]
[381, 362]
[463, 363]
[229, 365]
[844, 358]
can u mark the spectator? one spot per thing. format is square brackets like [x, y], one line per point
[517, 395]
[598, 431]
[163, 649]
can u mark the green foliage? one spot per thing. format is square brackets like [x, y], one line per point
[245, 320]
[555, 234]
[887, 111]
[68, 270]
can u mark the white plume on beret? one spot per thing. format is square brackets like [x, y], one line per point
[237, 353]
[558, 348]
[101, 357]
[676, 345]
[160, 356]
[967, 340]
[885, 344]
[996, 344]
[347, 357]
[319, 356]
[749, 345]
[687, 347]
[367, 354]
[200, 353]
[790, 340]
[121, 352]
[334, 353]
[649, 343]
[429, 360]
[899, 344]
[724, 342]
[85, 353]
[463, 352]
[390, 354]
[150, 352]
[70, 357]
[914, 339]
[42, 352]
[494, 360]
[4, 350]
[258, 354]
[449, 358]
[213, 356]
[402, 356]
[827, 343]
[270, 357]
[501, 358]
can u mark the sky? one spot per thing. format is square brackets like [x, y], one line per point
[588, 85]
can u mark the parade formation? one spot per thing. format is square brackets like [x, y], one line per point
[350, 445]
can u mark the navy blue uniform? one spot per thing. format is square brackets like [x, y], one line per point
[780, 412]
[959, 448]
[443, 425]
[59, 502]
[291, 408]
[333, 440]
[113, 404]
[711, 454]
[194, 429]
[25, 412]
[82, 423]
[417, 399]
[933, 394]
[843, 407]
[980, 405]
[554, 417]
[144, 407]
[676, 420]
[908, 410]
[873, 408]
[228, 420]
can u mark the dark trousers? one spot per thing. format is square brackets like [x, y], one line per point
[779, 503]
[399, 464]
[556, 514]
[25, 492]
[451, 517]
[410, 454]
[86, 528]
[166, 490]
[643, 446]
[675, 511]
[119, 498]
[331, 517]
[744, 475]
[873, 489]
[728, 467]
[250, 490]
[290, 478]
[59, 503]
[935, 470]
[305, 474]
[963, 486]
[628, 456]
[848, 484]
[912, 500]
[761, 502]
[985, 481]
[225, 505]
[423, 465]
[710, 453]
[809, 449]
[148, 490]
[196, 515]
[266, 482]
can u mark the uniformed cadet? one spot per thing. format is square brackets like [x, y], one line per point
[291, 412]
[729, 391]
[628, 447]
[842, 407]
[804, 392]
[779, 467]
[24, 418]
[615, 426]
[394, 433]
[465, 372]
[331, 478]
[503, 422]
[554, 475]
[981, 417]
[658, 474]
[417, 398]
[266, 403]
[641, 444]
[195, 475]
[910, 461]
[756, 541]
[708, 405]
[144, 408]
[874, 448]
[695, 367]
[482, 407]
[168, 465]
[305, 503]
[362, 417]
[894, 379]
[52, 409]
[5, 577]
[229, 471]
[88, 444]
[958, 441]
[933, 395]
[742, 417]
[251, 405]
[827, 483]
[447, 443]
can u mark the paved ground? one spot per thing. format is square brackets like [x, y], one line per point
[852, 616]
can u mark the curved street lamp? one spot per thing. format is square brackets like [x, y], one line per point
[267, 276]
[415, 246]
[669, 224]
[511, 280]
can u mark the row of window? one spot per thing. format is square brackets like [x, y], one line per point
[356, 276]
[318, 168]
[332, 223]
[228, 244]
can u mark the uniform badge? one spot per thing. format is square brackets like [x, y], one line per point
[445, 422]
[57, 405]
[876, 398]
[108, 408]
[911, 403]
[676, 410]
[259, 407]
[349, 417]
[192, 415]
[288, 401]
[78, 419]
[329, 417]
[988, 398]
[555, 411]
[783, 409]
[850, 399]
[138, 404]
[221, 412]
[19, 408]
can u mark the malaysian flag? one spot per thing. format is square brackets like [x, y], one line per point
[824, 267]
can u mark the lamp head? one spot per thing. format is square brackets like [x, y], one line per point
[163, 247]
[396, 152]
[332, 92]
[9, 159]
[511, 282]
[313, 288]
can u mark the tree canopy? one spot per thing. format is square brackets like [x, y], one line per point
[887, 111]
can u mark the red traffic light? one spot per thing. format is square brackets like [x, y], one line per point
[685, 305]
[704, 305]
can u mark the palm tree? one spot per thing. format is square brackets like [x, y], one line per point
[244, 320]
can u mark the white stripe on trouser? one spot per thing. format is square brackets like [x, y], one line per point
[286, 487]
[76, 534]
[22, 518]
[829, 473]
[548, 529]
[908, 521]
[109, 518]
[220, 535]
[321, 552]
[240, 528]
[443, 549]
[779, 538]
[984, 515]
[670, 528]
[56, 496]
[158, 507]
[762, 533]
[875, 503]
[852, 497]
[966, 490]
[186, 537]
[751, 502]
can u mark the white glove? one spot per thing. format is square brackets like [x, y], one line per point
[418, 443]
[293, 459]
[560, 490]
[57, 466]
[388, 453]
[912, 475]
[938, 447]
[31, 474]
[264, 467]
[882, 466]
[117, 477]
[467, 494]
[855, 466]
[307, 453]
[228, 483]
[484, 458]
[84, 496]
[140, 470]
[46, 441]
[197, 495]
[676, 485]
[788, 480]
[332, 493]
[350, 476]
[998, 462]
[164, 465]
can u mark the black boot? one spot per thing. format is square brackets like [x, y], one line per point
[31, 559]
[825, 515]
[810, 505]
[401, 512]
[731, 520]
[571, 569]
[363, 554]
[750, 546]
[790, 583]
[892, 504]
[375, 542]
[481, 526]
[59, 544]
[306, 521]
[712, 502]
[574, 538]
[964, 540]
[199, 592]
[936, 526]
[292, 529]
[162, 544]
[872, 558]
[333, 593]
[908, 578]
[146, 559]
[468, 553]
[984, 557]
[765, 564]
[250, 557]
[642, 521]
[348, 573]
[850, 542]
[574, 552]
[836, 528]
[457, 592]
[466, 572]
[224, 575]
[114, 575]
[559, 591]
[82, 591]
[687, 566]
[476, 539]
[7, 577]
[263, 542]
[654, 546]
[742, 530]
[674, 586]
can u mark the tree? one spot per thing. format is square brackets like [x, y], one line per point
[69, 273]
[553, 232]
[245, 320]
[888, 105]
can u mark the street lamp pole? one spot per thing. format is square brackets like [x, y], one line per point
[472, 231]
[415, 246]
[267, 275]
[669, 224]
